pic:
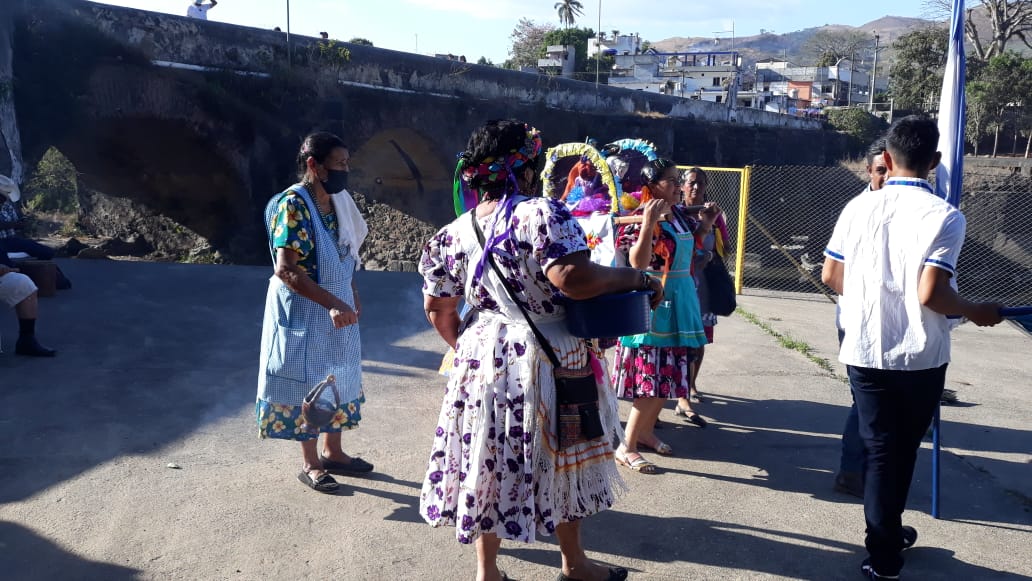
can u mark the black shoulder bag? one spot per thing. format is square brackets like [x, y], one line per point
[576, 391]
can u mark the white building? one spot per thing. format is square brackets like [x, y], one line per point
[615, 44]
[559, 60]
[706, 76]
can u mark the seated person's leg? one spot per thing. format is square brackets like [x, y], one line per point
[30, 247]
[35, 250]
[18, 291]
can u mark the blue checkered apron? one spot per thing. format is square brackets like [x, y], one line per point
[299, 345]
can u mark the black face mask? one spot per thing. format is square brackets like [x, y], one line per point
[336, 180]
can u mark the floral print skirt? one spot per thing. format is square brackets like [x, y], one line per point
[648, 371]
[283, 422]
[496, 465]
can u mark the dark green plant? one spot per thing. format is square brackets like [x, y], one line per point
[857, 123]
[53, 186]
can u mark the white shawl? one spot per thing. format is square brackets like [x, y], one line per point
[351, 227]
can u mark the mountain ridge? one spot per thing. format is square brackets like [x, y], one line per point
[791, 45]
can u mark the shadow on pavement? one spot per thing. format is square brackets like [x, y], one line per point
[705, 542]
[26, 555]
[784, 554]
[795, 446]
[149, 353]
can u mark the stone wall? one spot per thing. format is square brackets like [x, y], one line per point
[213, 44]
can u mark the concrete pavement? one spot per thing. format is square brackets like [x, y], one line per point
[157, 365]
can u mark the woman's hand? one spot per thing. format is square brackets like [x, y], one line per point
[656, 286]
[709, 213]
[343, 315]
[652, 211]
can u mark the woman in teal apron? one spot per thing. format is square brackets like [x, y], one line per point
[310, 328]
[653, 367]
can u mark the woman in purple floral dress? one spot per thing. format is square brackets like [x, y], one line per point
[496, 469]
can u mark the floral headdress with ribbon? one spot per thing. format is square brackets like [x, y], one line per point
[469, 179]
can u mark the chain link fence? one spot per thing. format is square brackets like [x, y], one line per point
[996, 261]
[791, 212]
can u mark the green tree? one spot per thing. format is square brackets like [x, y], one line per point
[528, 43]
[915, 79]
[361, 41]
[483, 60]
[1007, 82]
[979, 107]
[54, 185]
[568, 11]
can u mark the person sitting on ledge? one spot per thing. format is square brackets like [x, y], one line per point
[11, 221]
[199, 9]
[18, 291]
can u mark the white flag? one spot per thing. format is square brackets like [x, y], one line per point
[950, 173]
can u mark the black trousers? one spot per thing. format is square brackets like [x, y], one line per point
[895, 409]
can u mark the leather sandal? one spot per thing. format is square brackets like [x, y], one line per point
[639, 464]
[690, 416]
[660, 447]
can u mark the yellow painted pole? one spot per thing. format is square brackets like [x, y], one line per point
[743, 217]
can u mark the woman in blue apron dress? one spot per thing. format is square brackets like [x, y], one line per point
[653, 367]
[310, 328]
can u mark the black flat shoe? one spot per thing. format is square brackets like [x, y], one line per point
[615, 574]
[356, 466]
[32, 348]
[324, 483]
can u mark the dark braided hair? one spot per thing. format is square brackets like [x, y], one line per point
[318, 146]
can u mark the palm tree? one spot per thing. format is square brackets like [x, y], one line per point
[568, 11]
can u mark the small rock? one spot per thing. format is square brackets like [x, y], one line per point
[92, 253]
[173, 466]
[72, 247]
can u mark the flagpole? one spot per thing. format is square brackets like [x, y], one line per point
[949, 176]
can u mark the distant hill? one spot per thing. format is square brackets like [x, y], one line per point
[791, 45]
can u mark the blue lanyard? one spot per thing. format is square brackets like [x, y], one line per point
[917, 183]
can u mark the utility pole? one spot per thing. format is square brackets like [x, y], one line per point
[598, 44]
[849, 87]
[290, 51]
[874, 74]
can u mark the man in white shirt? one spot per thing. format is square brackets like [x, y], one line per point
[892, 255]
[200, 10]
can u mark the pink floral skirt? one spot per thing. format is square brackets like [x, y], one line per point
[648, 371]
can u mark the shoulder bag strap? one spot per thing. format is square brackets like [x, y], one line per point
[512, 295]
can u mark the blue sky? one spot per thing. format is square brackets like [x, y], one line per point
[476, 28]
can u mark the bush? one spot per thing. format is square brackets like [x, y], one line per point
[53, 187]
[857, 123]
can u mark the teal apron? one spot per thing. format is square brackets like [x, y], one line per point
[677, 321]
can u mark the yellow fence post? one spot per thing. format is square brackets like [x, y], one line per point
[743, 217]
